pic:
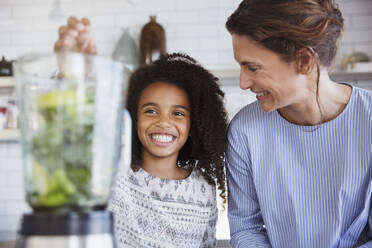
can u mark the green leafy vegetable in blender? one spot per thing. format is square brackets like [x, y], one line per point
[62, 149]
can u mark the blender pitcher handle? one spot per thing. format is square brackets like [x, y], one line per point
[126, 141]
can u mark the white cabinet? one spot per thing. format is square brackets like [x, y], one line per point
[9, 134]
[6, 82]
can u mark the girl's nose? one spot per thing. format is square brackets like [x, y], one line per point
[246, 80]
[163, 121]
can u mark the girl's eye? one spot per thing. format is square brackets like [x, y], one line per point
[179, 113]
[150, 111]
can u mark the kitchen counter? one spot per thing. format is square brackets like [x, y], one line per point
[7, 244]
[351, 76]
[11, 244]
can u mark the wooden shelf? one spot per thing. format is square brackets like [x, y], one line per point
[226, 73]
[345, 76]
[342, 76]
[9, 135]
[6, 82]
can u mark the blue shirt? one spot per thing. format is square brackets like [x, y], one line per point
[301, 186]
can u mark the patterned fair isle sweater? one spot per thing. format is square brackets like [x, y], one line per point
[154, 212]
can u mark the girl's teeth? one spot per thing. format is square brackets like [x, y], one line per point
[162, 138]
[262, 93]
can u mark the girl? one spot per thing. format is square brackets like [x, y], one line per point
[167, 199]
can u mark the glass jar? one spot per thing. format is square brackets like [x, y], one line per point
[71, 109]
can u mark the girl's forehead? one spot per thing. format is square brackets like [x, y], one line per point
[164, 92]
[163, 86]
[162, 83]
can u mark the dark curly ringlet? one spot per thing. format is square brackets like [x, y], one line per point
[205, 147]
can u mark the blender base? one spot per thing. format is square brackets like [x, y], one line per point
[69, 230]
[86, 241]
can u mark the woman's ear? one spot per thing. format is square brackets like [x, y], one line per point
[305, 60]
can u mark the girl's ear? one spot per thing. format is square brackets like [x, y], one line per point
[305, 60]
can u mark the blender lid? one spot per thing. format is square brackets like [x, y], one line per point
[71, 223]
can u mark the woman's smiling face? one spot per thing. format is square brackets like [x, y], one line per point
[164, 120]
[276, 83]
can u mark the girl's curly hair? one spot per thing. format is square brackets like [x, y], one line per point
[205, 147]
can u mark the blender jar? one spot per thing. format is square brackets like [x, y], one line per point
[71, 110]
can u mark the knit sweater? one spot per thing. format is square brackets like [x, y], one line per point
[154, 212]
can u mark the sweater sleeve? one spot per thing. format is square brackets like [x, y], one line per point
[209, 237]
[244, 213]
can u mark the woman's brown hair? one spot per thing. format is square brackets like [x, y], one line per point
[286, 26]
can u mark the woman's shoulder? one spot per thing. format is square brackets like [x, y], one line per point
[363, 94]
[250, 113]
[361, 100]
[250, 119]
[248, 110]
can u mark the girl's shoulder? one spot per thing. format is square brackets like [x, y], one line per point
[143, 177]
[198, 179]
[193, 190]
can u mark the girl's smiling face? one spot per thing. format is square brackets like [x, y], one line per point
[164, 120]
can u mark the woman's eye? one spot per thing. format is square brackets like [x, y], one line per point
[252, 69]
[249, 67]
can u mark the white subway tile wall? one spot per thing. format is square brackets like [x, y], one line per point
[25, 25]
[12, 196]
[193, 26]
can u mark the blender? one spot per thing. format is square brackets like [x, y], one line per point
[74, 133]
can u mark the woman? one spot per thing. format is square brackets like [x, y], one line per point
[299, 160]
